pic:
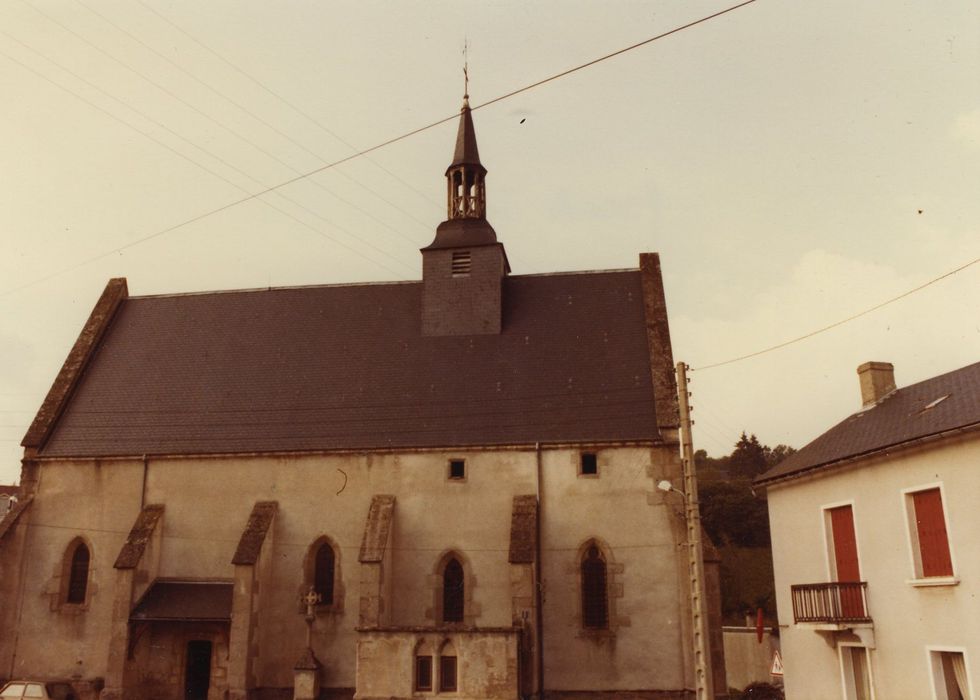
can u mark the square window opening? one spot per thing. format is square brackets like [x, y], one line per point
[589, 465]
[457, 469]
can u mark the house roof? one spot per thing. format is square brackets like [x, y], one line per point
[929, 408]
[346, 367]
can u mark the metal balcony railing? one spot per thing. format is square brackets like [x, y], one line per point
[837, 602]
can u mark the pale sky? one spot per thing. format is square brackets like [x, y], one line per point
[793, 163]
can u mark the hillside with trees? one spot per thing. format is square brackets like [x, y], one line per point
[736, 519]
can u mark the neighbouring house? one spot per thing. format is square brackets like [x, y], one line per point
[452, 480]
[874, 539]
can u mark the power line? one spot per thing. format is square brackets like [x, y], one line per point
[364, 152]
[207, 152]
[265, 123]
[842, 321]
[172, 228]
[195, 109]
[286, 102]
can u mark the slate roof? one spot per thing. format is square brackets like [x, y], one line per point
[345, 367]
[903, 416]
[466, 151]
[197, 601]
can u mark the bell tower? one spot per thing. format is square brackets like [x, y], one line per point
[464, 266]
[466, 176]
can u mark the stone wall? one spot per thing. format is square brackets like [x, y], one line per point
[208, 502]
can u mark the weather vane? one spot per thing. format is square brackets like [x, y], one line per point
[466, 72]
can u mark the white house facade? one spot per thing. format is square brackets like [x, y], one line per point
[874, 534]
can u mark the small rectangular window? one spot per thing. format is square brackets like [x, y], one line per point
[457, 469]
[930, 542]
[447, 674]
[462, 262]
[590, 465]
[423, 673]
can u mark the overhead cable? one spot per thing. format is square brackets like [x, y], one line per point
[383, 144]
[838, 323]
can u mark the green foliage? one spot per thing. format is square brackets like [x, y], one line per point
[748, 460]
[737, 521]
[746, 583]
[732, 515]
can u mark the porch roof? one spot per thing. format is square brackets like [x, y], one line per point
[185, 601]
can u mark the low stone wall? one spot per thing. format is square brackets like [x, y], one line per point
[746, 659]
[487, 661]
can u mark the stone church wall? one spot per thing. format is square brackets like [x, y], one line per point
[208, 501]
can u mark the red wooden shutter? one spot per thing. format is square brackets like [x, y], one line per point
[845, 544]
[930, 526]
[851, 599]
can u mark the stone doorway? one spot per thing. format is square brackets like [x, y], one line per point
[197, 673]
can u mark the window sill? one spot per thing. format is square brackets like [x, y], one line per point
[934, 581]
[596, 634]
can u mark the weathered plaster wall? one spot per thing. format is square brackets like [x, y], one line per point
[208, 502]
[639, 529]
[487, 664]
[100, 502]
[907, 619]
[747, 659]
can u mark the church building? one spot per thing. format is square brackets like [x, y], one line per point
[419, 489]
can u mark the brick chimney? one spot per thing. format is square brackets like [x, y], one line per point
[877, 381]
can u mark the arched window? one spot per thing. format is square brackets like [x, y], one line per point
[78, 574]
[595, 598]
[323, 573]
[452, 591]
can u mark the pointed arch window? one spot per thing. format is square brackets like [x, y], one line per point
[595, 594]
[78, 570]
[324, 568]
[453, 591]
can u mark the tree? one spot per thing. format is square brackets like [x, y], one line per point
[737, 521]
[748, 460]
[732, 515]
[777, 454]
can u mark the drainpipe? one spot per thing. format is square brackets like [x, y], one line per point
[143, 489]
[538, 583]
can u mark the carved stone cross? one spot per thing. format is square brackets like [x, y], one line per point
[310, 600]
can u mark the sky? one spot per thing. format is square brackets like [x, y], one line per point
[793, 163]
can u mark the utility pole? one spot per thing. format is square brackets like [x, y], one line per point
[699, 611]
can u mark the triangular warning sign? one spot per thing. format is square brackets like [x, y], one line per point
[777, 664]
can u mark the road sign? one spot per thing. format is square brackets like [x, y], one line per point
[777, 665]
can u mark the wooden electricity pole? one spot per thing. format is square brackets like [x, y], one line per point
[699, 610]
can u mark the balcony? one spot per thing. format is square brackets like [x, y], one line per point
[843, 603]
